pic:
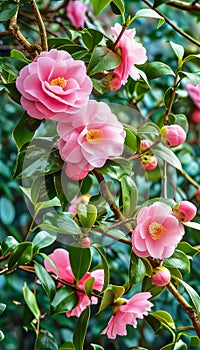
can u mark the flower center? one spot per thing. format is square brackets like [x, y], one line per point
[157, 231]
[58, 82]
[95, 136]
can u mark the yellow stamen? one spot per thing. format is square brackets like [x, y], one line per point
[95, 136]
[157, 231]
[58, 82]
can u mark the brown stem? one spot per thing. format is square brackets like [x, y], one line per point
[185, 6]
[169, 108]
[184, 304]
[107, 234]
[43, 33]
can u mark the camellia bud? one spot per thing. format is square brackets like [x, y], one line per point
[148, 159]
[161, 276]
[195, 116]
[184, 211]
[174, 134]
[85, 243]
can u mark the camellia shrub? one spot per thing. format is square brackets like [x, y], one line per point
[100, 175]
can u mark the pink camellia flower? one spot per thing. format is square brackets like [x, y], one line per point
[184, 211]
[75, 11]
[194, 93]
[53, 83]
[131, 53]
[93, 136]
[195, 116]
[161, 276]
[136, 307]
[157, 232]
[148, 159]
[60, 258]
[174, 134]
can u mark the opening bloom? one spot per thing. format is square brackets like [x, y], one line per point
[194, 93]
[131, 53]
[161, 276]
[60, 258]
[52, 84]
[184, 211]
[174, 134]
[136, 307]
[93, 136]
[157, 232]
[76, 12]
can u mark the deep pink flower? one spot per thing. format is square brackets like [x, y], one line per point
[53, 83]
[60, 258]
[174, 134]
[161, 276]
[194, 93]
[184, 211]
[136, 307]
[148, 159]
[93, 136]
[195, 116]
[75, 11]
[157, 232]
[131, 53]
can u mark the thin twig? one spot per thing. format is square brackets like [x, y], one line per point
[185, 6]
[43, 33]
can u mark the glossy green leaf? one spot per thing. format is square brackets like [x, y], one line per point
[148, 129]
[195, 298]
[47, 204]
[157, 69]
[81, 329]
[178, 50]
[192, 224]
[168, 155]
[164, 317]
[186, 248]
[7, 10]
[22, 133]
[137, 269]
[103, 59]
[60, 222]
[148, 13]
[179, 119]
[7, 210]
[67, 346]
[12, 65]
[147, 286]
[105, 264]
[80, 261]
[86, 184]
[97, 347]
[2, 308]
[45, 341]
[2, 336]
[118, 234]
[191, 57]
[159, 2]
[88, 286]
[130, 141]
[87, 214]
[129, 195]
[43, 239]
[64, 300]
[107, 300]
[194, 77]
[178, 260]
[116, 168]
[120, 5]
[91, 37]
[21, 255]
[168, 97]
[8, 244]
[31, 301]
[46, 280]
[66, 188]
[98, 6]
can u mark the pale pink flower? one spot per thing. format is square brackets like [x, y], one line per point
[148, 159]
[194, 93]
[184, 211]
[161, 276]
[136, 307]
[157, 232]
[131, 52]
[76, 12]
[53, 83]
[174, 134]
[60, 258]
[81, 199]
[93, 136]
[195, 116]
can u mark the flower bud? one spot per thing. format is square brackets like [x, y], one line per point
[85, 243]
[161, 276]
[195, 116]
[148, 159]
[174, 134]
[184, 211]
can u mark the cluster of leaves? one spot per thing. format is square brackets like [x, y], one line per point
[48, 194]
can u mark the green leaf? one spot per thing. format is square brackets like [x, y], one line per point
[164, 317]
[97, 347]
[12, 65]
[7, 211]
[8, 244]
[67, 346]
[178, 50]
[179, 119]
[31, 301]
[186, 248]
[2, 308]
[168, 96]
[193, 295]
[43, 239]
[148, 13]
[148, 129]
[46, 280]
[21, 255]
[7, 10]
[192, 224]
[87, 214]
[116, 168]
[60, 222]
[64, 300]
[167, 155]
[18, 54]
[91, 37]
[21, 133]
[107, 300]
[130, 141]
[81, 329]
[80, 261]
[129, 195]
[191, 57]
[120, 5]
[137, 269]
[103, 59]
[159, 2]
[194, 77]
[178, 260]
[66, 188]
[2, 336]
[47, 204]
[157, 69]
[98, 6]
[105, 264]
[45, 341]
[88, 286]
